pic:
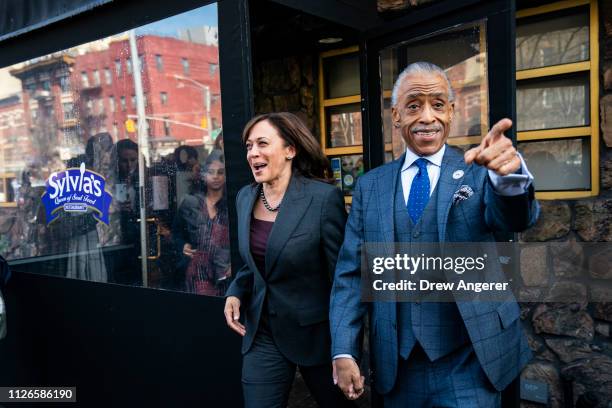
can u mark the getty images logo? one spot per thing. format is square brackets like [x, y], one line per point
[76, 190]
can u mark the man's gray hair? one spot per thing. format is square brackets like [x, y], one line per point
[421, 67]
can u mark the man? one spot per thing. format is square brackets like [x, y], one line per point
[432, 354]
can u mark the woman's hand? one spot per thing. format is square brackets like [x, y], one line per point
[232, 314]
[188, 251]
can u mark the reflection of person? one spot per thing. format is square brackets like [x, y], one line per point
[432, 354]
[289, 230]
[201, 232]
[187, 166]
[125, 214]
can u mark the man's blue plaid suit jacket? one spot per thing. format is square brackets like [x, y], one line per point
[494, 328]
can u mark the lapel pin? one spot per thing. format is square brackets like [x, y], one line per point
[458, 174]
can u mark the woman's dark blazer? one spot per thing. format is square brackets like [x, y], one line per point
[300, 261]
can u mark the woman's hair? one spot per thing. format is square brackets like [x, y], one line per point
[309, 160]
[200, 184]
[191, 151]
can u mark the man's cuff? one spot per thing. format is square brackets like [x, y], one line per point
[343, 356]
[512, 184]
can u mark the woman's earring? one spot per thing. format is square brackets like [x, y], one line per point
[289, 157]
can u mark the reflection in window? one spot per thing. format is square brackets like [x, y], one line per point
[462, 54]
[213, 68]
[84, 79]
[108, 76]
[559, 165]
[185, 64]
[543, 41]
[65, 84]
[68, 111]
[552, 103]
[346, 170]
[344, 124]
[341, 75]
[74, 142]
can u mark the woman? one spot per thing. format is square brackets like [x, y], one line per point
[201, 232]
[290, 228]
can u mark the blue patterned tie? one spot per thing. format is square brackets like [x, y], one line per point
[419, 191]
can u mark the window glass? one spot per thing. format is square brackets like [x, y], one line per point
[553, 103]
[461, 52]
[544, 40]
[77, 189]
[559, 165]
[108, 76]
[346, 170]
[344, 125]
[341, 75]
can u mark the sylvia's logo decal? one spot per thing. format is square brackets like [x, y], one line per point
[76, 190]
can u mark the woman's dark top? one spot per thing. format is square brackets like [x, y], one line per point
[260, 231]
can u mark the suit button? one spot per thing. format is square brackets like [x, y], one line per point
[416, 234]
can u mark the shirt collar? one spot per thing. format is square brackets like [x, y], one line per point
[435, 158]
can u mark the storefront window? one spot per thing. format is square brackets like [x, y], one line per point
[461, 52]
[559, 165]
[91, 204]
[557, 90]
[552, 103]
[544, 41]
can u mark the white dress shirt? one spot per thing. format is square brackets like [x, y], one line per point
[510, 185]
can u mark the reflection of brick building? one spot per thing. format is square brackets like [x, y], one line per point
[15, 145]
[46, 86]
[105, 88]
[69, 98]
[13, 135]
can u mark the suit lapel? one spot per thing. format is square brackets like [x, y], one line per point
[452, 174]
[245, 213]
[386, 199]
[292, 209]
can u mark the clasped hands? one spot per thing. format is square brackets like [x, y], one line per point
[496, 152]
[347, 376]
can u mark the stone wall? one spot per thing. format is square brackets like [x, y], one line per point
[571, 341]
[290, 85]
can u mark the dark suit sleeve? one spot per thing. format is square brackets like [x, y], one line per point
[510, 213]
[242, 285]
[346, 310]
[333, 220]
